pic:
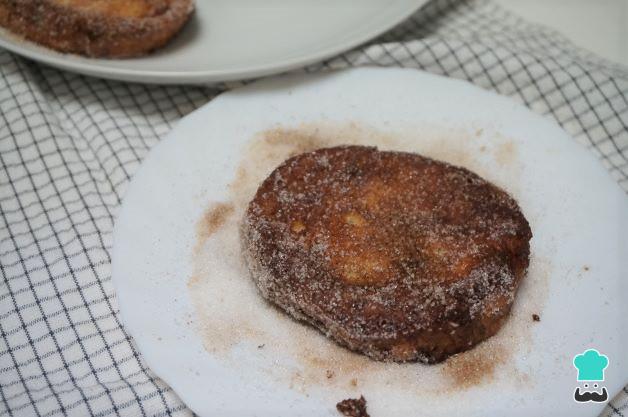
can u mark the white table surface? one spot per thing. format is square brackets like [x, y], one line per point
[598, 25]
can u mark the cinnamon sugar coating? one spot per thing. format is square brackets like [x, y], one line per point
[391, 254]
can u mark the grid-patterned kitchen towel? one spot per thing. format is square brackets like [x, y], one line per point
[69, 145]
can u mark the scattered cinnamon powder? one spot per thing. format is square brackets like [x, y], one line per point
[194, 280]
[230, 313]
[212, 220]
[476, 366]
[506, 153]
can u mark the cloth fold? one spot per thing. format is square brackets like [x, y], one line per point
[69, 145]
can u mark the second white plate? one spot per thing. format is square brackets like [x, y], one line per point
[237, 39]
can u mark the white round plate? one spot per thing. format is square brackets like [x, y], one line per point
[237, 39]
[238, 356]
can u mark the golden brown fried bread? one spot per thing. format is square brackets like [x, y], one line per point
[391, 254]
[97, 28]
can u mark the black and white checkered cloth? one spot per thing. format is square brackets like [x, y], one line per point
[69, 145]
